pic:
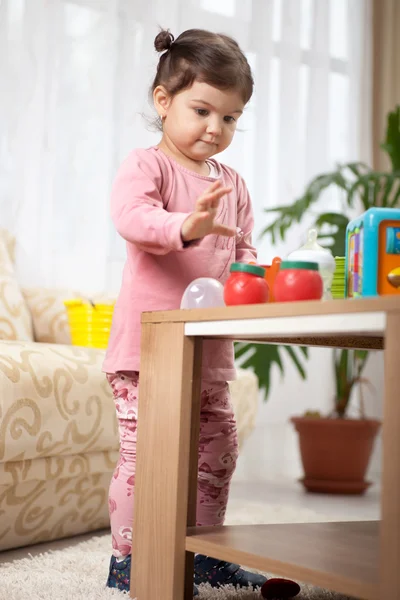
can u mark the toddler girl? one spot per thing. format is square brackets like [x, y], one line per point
[183, 215]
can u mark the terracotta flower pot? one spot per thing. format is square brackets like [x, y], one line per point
[335, 453]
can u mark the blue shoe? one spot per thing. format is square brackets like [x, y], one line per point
[120, 575]
[218, 572]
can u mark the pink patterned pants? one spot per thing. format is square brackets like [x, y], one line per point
[218, 451]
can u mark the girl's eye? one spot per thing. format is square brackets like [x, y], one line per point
[229, 119]
[202, 112]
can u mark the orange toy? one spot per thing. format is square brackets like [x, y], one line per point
[271, 272]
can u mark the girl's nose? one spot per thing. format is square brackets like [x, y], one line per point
[214, 126]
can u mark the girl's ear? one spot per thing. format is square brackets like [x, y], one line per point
[162, 100]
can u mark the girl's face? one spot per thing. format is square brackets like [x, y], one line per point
[200, 121]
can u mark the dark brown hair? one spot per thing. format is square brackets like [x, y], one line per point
[199, 55]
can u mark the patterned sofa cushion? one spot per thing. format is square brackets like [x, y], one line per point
[15, 319]
[49, 316]
[55, 401]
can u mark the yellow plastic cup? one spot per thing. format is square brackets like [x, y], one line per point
[89, 323]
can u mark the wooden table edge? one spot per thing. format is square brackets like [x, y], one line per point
[385, 304]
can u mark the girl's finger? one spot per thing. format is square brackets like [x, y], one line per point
[202, 216]
[204, 202]
[219, 194]
[215, 188]
[215, 185]
[210, 198]
[220, 191]
[223, 230]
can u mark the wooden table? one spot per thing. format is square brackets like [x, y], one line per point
[360, 559]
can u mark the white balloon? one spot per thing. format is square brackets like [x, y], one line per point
[204, 292]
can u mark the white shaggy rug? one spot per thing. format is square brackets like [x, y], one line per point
[79, 572]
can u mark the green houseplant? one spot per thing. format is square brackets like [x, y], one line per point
[357, 183]
[349, 366]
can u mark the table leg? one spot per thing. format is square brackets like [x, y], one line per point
[390, 524]
[163, 457]
[193, 462]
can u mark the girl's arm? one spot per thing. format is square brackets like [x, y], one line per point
[137, 208]
[245, 251]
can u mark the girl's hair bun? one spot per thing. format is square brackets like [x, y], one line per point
[163, 40]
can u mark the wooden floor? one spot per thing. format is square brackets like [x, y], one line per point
[342, 557]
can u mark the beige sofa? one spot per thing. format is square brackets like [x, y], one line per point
[58, 431]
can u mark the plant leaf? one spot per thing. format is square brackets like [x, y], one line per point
[395, 201]
[372, 183]
[391, 144]
[342, 374]
[337, 223]
[357, 168]
[295, 359]
[290, 214]
[241, 348]
[387, 189]
[361, 354]
[261, 358]
[360, 358]
[304, 350]
[349, 365]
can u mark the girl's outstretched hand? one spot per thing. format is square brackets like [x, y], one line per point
[201, 222]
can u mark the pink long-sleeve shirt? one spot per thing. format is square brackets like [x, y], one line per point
[151, 197]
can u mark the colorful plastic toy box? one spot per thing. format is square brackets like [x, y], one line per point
[373, 253]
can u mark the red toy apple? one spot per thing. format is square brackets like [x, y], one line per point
[298, 281]
[246, 285]
[279, 589]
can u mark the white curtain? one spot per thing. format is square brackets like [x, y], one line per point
[74, 79]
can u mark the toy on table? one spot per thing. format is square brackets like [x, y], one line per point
[339, 278]
[313, 252]
[279, 588]
[246, 285]
[271, 272]
[373, 253]
[204, 292]
[298, 280]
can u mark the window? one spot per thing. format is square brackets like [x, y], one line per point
[78, 74]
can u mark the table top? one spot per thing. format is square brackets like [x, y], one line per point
[347, 323]
[377, 304]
